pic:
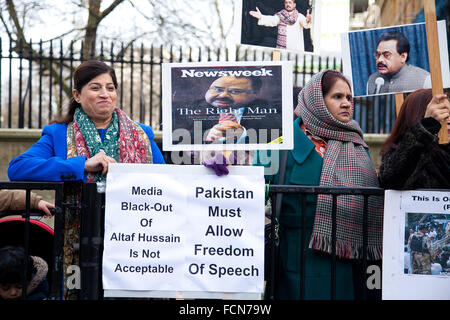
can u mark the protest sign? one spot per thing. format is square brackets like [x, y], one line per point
[375, 68]
[227, 105]
[287, 25]
[414, 271]
[173, 229]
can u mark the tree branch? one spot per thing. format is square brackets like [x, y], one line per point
[108, 10]
[15, 19]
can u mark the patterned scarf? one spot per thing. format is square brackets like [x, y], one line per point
[345, 164]
[124, 140]
[286, 18]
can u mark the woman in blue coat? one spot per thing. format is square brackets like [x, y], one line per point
[80, 146]
[94, 133]
[328, 151]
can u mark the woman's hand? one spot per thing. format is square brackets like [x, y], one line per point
[438, 108]
[45, 206]
[98, 162]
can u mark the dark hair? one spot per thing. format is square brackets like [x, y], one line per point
[84, 73]
[402, 41]
[12, 262]
[412, 110]
[329, 78]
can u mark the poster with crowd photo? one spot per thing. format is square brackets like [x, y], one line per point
[287, 25]
[227, 105]
[392, 60]
[416, 245]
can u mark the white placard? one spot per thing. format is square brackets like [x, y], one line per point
[172, 229]
[404, 210]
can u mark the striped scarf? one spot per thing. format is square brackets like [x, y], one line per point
[286, 18]
[125, 140]
[346, 163]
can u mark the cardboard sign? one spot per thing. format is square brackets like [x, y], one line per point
[171, 229]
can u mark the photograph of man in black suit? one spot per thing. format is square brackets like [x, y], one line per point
[229, 112]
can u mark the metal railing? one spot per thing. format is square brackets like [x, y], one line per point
[91, 228]
[36, 79]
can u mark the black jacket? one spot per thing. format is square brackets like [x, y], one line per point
[419, 161]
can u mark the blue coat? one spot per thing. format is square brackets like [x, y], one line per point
[47, 159]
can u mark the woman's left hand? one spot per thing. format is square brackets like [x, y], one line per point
[438, 108]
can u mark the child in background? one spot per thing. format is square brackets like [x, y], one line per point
[12, 262]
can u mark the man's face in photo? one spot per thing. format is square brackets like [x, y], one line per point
[289, 5]
[388, 60]
[230, 91]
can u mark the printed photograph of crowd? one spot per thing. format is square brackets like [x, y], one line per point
[427, 244]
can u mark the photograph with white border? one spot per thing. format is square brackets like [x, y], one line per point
[391, 59]
[243, 105]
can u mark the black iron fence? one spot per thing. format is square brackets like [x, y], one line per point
[89, 246]
[36, 79]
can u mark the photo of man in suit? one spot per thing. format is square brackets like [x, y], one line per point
[230, 112]
[394, 74]
[277, 24]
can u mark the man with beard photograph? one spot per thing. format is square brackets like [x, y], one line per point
[392, 59]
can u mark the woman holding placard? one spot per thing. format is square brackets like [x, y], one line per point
[328, 151]
[412, 157]
[93, 133]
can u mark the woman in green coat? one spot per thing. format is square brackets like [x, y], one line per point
[328, 151]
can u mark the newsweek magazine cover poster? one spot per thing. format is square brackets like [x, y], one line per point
[227, 105]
